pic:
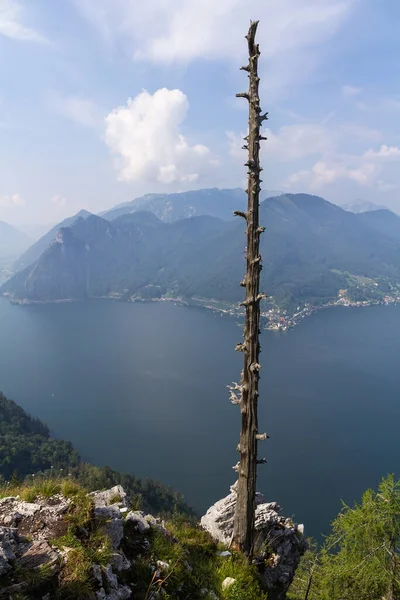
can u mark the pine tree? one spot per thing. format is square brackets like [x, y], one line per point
[361, 558]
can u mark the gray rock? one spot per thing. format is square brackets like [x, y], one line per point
[188, 566]
[41, 520]
[10, 591]
[113, 523]
[115, 495]
[279, 543]
[208, 594]
[9, 542]
[97, 576]
[138, 518]
[218, 520]
[112, 590]
[38, 554]
[119, 561]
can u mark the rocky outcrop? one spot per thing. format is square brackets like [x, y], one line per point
[28, 541]
[279, 542]
[41, 537]
[54, 546]
[43, 520]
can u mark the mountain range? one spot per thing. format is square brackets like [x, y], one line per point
[172, 207]
[309, 249]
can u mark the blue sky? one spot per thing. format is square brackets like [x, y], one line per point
[102, 101]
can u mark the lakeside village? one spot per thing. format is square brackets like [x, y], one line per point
[275, 318]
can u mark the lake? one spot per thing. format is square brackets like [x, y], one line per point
[142, 388]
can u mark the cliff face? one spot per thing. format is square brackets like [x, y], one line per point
[71, 545]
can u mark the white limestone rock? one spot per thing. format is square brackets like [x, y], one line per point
[279, 543]
[41, 520]
[228, 582]
[139, 520]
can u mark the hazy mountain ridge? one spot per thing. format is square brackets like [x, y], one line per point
[360, 206]
[308, 246]
[214, 202]
[12, 241]
[34, 252]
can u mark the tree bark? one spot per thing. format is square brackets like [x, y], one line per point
[243, 532]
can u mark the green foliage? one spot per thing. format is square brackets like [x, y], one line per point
[38, 581]
[27, 452]
[360, 559]
[26, 446]
[195, 566]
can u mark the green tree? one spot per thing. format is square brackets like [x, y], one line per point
[360, 559]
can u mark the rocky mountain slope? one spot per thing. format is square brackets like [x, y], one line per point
[57, 542]
[34, 252]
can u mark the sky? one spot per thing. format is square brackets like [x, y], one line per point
[102, 101]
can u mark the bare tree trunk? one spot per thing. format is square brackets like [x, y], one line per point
[248, 389]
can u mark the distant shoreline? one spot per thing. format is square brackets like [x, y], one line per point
[281, 322]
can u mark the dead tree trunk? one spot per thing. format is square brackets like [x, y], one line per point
[246, 394]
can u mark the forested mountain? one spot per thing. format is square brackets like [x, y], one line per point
[33, 253]
[309, 246]
[26, 448]
[12, 241]
[383, 221]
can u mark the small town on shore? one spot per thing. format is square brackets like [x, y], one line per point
[275, 318]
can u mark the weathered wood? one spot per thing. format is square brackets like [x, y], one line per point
[247, 467]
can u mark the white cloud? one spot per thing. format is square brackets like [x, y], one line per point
[336, 165]
[297, 141]
[235, 144]
[335, 153]
[81, 110]
[11, 201]
[383, 186]
[11, 26]
[293, 142]
[354, 132]
[385, 153]
[289, 143]
[59, 200]
[350, 91]
[145, 135]
[162, 31]
[323, 174]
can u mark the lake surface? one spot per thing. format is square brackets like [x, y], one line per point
[142, 388]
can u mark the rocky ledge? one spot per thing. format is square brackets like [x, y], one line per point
[36, 545]
[76, 546]
[278, 546]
